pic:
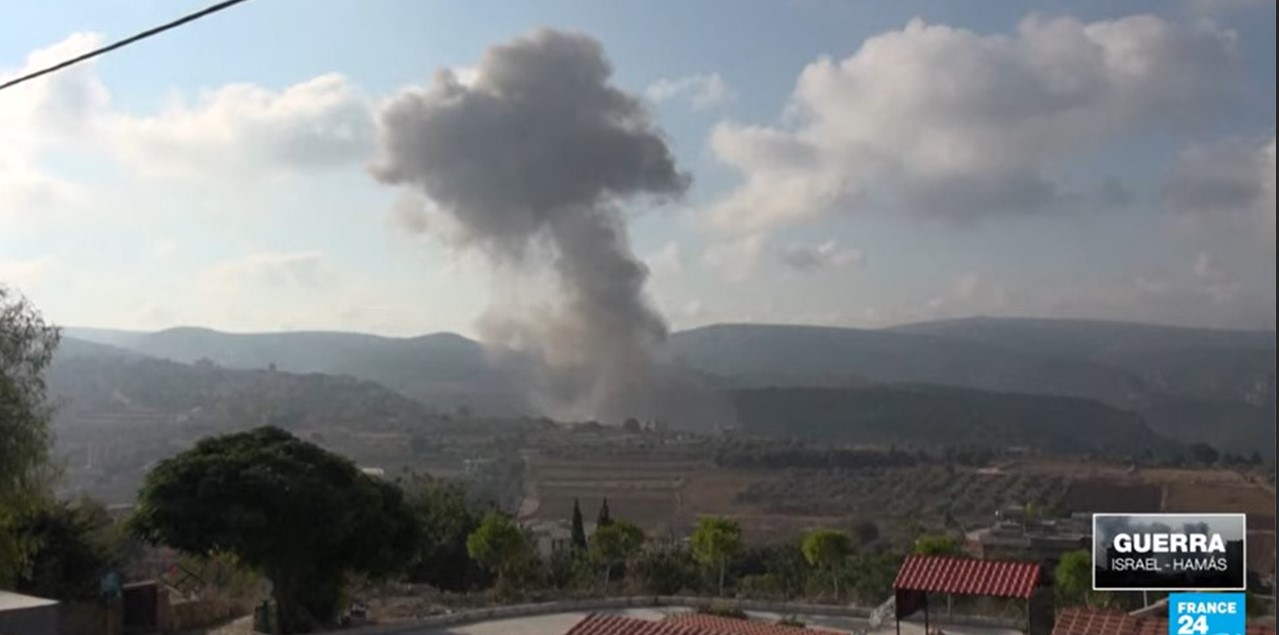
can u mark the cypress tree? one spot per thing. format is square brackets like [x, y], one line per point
[579, 531]
[603, 520]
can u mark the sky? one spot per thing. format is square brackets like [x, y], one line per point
[852, 163]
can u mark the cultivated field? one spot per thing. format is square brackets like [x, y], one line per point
[670, 493]
[1099, 495]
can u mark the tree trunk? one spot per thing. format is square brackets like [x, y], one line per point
[285, 604]
[608, 569]
[722, 564]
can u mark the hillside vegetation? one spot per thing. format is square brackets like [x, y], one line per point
[931, 416]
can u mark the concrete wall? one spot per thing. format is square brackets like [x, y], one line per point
[186, 615]
[35, 620]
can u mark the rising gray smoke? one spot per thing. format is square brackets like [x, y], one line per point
[538, 151]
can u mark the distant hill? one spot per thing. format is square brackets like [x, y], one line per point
[76, 348]
[939, 416]
[89, 387]
[809, 356]
[1228, 376]
[1187, 362]
[117, 413]
[444, 370]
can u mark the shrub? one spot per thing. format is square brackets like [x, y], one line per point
[723, 608]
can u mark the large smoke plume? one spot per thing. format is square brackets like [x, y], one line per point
[534, 154]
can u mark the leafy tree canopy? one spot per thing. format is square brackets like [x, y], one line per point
[936, 546]
[614, 543]
[298, 513]
[827, 548]
[71, 547]
[1072, 581]
[498, 544]
[445, 520]
[27, 344]
[715, 541]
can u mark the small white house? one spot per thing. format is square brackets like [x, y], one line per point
[27, 615]
[552, 536]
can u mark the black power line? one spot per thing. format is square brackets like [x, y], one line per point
[226, 4]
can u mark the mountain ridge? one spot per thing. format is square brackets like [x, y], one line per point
[1226, 378]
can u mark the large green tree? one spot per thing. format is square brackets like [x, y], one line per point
[302, 516]
[500, 545]
[27, 344]
[714, 542]
[828, 551]
[446, 520]
[1072, 581]
[613, 544]
[71, 547]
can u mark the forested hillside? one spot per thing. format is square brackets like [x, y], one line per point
[931, 416]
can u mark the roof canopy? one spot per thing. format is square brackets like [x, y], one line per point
[686, 624]
[965, 576]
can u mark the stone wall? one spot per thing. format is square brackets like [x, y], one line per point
[186, 615]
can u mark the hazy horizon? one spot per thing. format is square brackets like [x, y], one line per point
[473, 336]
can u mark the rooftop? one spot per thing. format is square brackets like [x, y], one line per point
[685, 624]
[965, 576]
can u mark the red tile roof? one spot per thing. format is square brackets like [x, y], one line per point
[601, 624]
[965, 576]
[716, 625]
[1085, 621]
[687, 624]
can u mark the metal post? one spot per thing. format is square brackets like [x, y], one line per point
[925, 613]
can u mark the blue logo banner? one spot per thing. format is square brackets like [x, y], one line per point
[1206, 614]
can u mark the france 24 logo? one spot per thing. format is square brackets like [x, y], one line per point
[1206, 614]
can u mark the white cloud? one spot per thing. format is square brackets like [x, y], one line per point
[937, 120]
[58, 107]
[827, 255]
[736, 258]
[42, 115]
[703, 92]
[26, 192]
[244, 130]
[237, 130]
